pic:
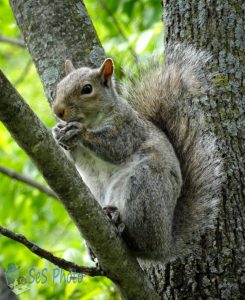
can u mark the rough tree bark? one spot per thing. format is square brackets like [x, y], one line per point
[217, 270]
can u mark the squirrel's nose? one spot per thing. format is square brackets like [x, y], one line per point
[59, 111]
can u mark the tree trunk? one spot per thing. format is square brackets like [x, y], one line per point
[217, 271]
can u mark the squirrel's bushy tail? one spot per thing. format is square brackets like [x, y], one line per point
[163, 94]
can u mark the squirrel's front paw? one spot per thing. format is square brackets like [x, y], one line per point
[68, 134]
[56, 131]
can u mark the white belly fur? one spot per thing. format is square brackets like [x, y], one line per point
[107, 182]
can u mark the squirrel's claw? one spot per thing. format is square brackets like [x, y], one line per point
[72, 125]
[67, 134]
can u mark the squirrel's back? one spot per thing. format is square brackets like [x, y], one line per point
[163, 93]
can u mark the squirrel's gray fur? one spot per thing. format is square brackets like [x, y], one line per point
[153, 159]
[181, 77]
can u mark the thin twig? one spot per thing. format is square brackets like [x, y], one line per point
[119, 29]
[24, 73]
[16, 42]
[60, 262]
[28, 181]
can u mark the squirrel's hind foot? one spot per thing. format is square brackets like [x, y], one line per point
[113, 214]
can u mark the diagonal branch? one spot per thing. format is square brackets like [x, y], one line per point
[11, 41]
[64, 179]
[60, 262]
[28, 181]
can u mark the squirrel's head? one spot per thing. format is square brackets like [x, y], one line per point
[86, 95]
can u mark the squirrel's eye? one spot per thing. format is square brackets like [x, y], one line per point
[87, 89]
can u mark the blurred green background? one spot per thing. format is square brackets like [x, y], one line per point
[128, 30]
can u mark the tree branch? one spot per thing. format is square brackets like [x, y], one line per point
[11, 41]
[28, 181]
[60, 262]
[64, 179]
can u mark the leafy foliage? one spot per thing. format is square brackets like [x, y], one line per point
[127, 29]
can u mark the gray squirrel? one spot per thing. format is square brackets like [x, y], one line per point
[148, 162]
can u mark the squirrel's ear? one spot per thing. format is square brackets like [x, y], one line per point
[69, 66]
[106, 70]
